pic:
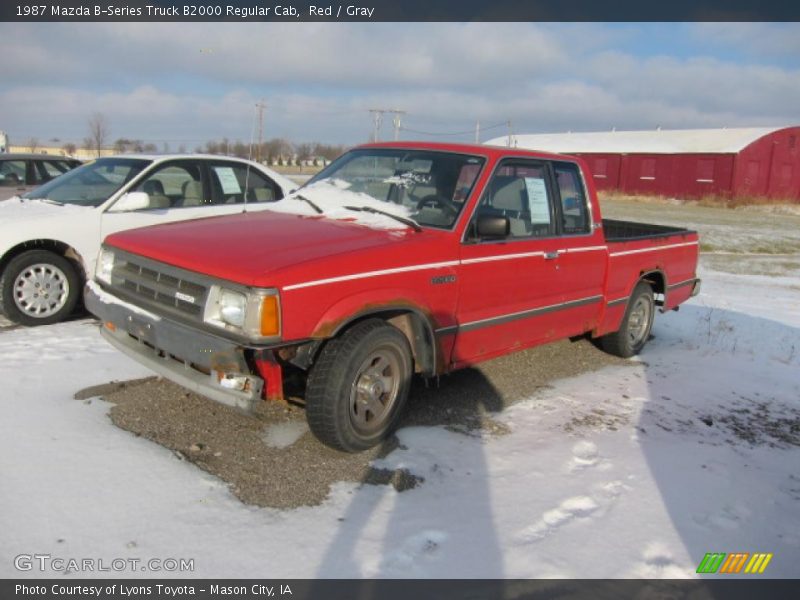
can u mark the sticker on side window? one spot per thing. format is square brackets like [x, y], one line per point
[537, 200]
[228, 181]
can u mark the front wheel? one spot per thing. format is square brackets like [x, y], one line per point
[636, 324]
[358, 386]
[39, 287]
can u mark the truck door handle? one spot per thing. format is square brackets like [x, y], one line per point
[551, 255]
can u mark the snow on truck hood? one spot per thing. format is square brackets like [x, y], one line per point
[332, 197]
[247, 246]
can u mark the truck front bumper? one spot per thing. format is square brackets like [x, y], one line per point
[201, 362]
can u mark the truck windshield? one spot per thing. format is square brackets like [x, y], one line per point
[428, 186]
[91, 184]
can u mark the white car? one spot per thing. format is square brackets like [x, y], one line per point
[50, 238]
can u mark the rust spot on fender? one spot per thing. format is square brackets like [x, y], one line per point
[329, 328]
[229, 362]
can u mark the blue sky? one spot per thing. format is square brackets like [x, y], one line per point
[184, 83]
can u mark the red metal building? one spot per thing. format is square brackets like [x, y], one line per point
[684, 163]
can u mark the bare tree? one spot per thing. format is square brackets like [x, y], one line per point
[304, 152]
[121, 145]
[33, 144]
[98, 131]
[240, 149]
[69, 148]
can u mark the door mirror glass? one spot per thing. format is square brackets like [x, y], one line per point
[493, 227]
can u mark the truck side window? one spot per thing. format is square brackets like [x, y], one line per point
[518, 190]
[574, 214]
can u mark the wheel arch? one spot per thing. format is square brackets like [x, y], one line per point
[55, 246]
[658, 281]
[409, 319]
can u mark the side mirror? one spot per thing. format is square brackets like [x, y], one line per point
[132, 201]
[493, 227]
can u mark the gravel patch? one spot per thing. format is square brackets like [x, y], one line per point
[270, 458]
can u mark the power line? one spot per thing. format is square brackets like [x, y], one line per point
[467, 132]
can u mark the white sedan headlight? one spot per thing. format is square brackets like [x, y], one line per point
[105, 266]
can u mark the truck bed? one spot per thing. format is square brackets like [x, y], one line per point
[629, 231]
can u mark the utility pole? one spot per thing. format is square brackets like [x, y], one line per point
[397, 121]
[509, 133]
[260, 106]
[478, 131]
[377, 120]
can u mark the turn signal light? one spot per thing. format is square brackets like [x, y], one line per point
[270, 316]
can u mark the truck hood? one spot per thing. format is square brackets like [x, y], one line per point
[253, 248]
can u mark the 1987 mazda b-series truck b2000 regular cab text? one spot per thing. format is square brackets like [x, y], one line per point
[396, 259]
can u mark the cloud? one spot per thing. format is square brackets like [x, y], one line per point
[758, 40]
[190, 82]
[245, 54]
[707, 85]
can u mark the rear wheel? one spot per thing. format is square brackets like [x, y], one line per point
[636, 324]
[358, 386]
[39, 287]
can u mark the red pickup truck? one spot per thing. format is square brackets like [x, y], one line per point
[396, 259]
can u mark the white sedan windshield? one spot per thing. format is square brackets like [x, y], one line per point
[91, 184]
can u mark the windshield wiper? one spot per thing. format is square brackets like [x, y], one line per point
[406, 221]
[45, 200]
[309, 202]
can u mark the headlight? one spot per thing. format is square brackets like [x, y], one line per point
[105, 266]
[232, 307]
[254, 313]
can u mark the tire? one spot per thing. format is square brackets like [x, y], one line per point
[39, 287]
[358, 386]
[636, 324]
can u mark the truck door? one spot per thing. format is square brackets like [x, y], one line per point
[582, 252]
[508, 292]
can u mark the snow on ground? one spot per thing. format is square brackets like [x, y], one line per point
[633, 471]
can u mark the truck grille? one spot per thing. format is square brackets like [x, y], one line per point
[151, 285]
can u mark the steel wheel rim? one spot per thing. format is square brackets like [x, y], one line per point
[41, 290]
[639, 321]
[375, 390]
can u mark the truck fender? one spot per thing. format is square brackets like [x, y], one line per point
[398, 307]
[657, 279]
